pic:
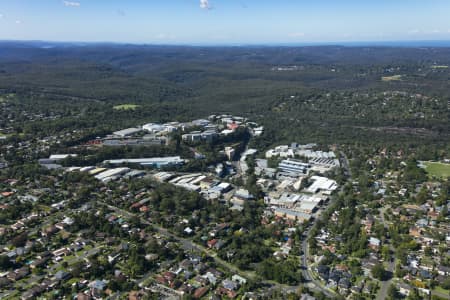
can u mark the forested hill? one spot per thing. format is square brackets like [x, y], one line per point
[134, 55]
[75, 67]
[328, 91]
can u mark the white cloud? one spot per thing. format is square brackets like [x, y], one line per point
[18, 22]
[1, 16]
[297, 34]
[72, 4]
[414, 31]
[204, 4]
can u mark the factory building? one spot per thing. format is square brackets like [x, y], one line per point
[127, 132]
[157, 162]
[293, 168]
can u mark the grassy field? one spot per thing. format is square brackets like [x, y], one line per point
[437, 169]
[439, 67]
[126, 107]
[3, 98]
[438, 289]
[13, 295]
[391, 78]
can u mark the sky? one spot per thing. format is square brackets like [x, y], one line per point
[225, 21]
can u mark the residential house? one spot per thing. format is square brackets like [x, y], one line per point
[38, 263]
[62, 275]
[404, 289]
[443, 270]
[200, 292]
[201, 281]
[18, 274]
[239, 279]
[415, 232]
[374, 243]
[230, 285]
[212, 243]
[344, 285]
[97, 288]
[49, 231]
[223, 292]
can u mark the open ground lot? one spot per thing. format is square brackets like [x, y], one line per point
[437, 169]
[126, 107]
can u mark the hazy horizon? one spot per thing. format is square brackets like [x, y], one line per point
[394, 43]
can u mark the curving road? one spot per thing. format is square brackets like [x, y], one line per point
[186, 244]
[311, 282]
[382, 293]
[189, 245]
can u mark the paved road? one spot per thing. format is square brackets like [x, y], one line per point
[34, 279]
[311, 282]
[38, 227]
[186, 244]
[439, 294]
[306, 269]
[382, 293]
[345, 164]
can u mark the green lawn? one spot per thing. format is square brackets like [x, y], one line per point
[437, 169]
[68, 258]
[126, 107]
[86, 248]
[426, 260]
[441, 290]
[391, 78]
[13, 295]
[73, 280]
[5, 97]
